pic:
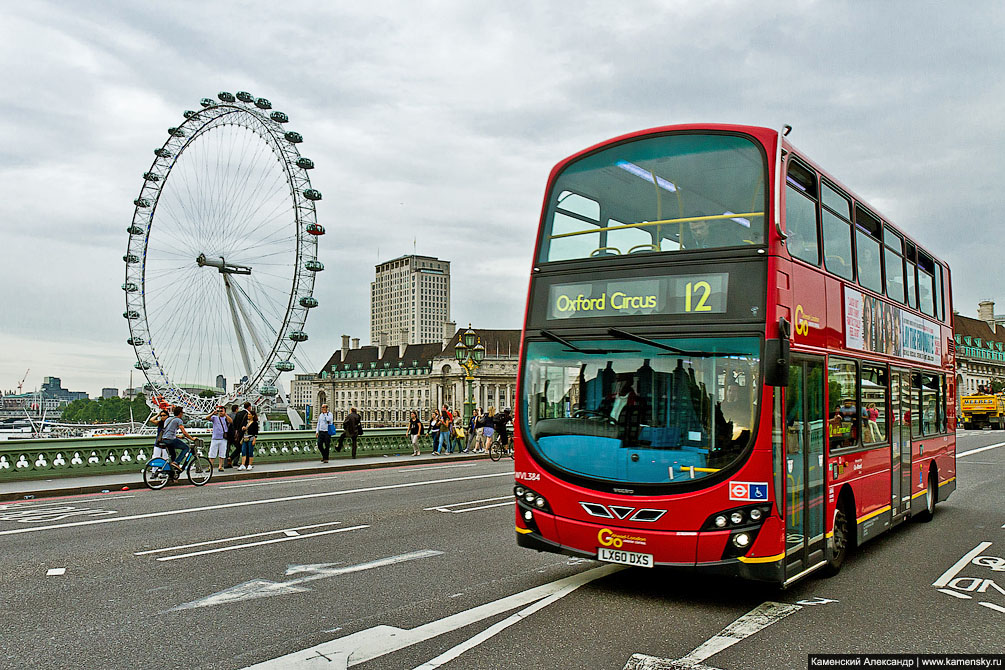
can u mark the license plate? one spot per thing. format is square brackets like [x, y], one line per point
[624, 557]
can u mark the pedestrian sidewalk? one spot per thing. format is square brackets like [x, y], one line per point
[107, 483]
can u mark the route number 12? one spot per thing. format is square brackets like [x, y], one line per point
[695, 288]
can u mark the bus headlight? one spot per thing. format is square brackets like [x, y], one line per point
[540, 502]
[519, 491]
[736, 518]
[741, 540]
[528, 515]
[756, 514]
[720, 521]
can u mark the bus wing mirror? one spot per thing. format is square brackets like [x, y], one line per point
[776, 362]
[777, 354]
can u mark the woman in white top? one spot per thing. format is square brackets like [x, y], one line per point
[324, 437]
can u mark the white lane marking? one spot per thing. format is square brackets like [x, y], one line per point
[955, 594]
[948, 575]
[980, 449]
[285, 538]
[305, 496]
[998, 608]
[55, 572]
[285, 480]
[374, 642]
[752, 622]
[436, 467]
[495, 629]
[263, 588]
[446, 508]
[231, 539]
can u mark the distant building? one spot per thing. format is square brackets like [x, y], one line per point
[221, 383]
[386, 382]
[980, 350]
[409, 301]
[300, 391]
[109, 392]
[52, 387]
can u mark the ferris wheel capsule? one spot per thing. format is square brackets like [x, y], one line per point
[244, 96]
[226, 97]
[315, 229]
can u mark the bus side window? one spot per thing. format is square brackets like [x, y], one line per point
[837, 232]
[842, 403]
[874, 398]
[801, 214]
[868, 232]
[910, 258]
[916, 404]
[894, 256]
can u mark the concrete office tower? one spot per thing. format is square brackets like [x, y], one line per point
[409, 301]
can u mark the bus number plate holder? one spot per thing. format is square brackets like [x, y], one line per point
[624, 557]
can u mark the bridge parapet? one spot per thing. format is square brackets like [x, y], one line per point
[82, 456]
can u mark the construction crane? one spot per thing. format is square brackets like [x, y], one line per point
[21, 383]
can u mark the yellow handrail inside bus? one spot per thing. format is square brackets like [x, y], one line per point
[643, 224]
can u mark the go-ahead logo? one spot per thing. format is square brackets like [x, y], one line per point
[608, 538]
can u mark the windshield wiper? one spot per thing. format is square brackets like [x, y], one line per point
[572, 347]
[624, 334]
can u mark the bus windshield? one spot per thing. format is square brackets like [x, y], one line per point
[642, 411]
[660, 194]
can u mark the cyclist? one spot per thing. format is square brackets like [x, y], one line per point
[170, 441]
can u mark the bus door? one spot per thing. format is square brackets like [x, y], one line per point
[900, 432]
[805, 436]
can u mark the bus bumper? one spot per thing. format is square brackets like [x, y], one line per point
[761, 570]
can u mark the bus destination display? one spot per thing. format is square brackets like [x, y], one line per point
[704, 293]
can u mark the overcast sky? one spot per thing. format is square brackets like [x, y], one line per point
[439, 122]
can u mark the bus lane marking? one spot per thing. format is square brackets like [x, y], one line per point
[264, 588]
[750, 623]
[288, 536]
[447, 508]
[287, 531]
[249, 503]
[962, 587]
[49, 514]
[378, 641]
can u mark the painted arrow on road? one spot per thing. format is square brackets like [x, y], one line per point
[264, 588]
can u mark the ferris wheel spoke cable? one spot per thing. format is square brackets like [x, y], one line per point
[238, 179]
[273, 197]
[186, 323]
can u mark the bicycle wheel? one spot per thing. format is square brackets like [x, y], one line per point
[200, 470]
[154, 475]
[495, 451]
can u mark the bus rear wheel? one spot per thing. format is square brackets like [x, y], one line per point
[931, 497]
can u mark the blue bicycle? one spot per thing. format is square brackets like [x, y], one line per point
[158, 472]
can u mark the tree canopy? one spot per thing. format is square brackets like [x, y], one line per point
[106, 410]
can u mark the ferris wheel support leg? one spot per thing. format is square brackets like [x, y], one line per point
[249, 324]
[237, 326]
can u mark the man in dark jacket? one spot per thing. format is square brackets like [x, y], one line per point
[239, 424]
[352, 428]
[501, 421]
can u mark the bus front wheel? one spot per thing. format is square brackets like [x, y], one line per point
[840, 542]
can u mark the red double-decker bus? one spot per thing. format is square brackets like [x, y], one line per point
[730, 361]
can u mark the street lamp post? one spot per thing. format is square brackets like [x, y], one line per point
[469, 352]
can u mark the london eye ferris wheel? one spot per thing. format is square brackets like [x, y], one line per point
[222, 255]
